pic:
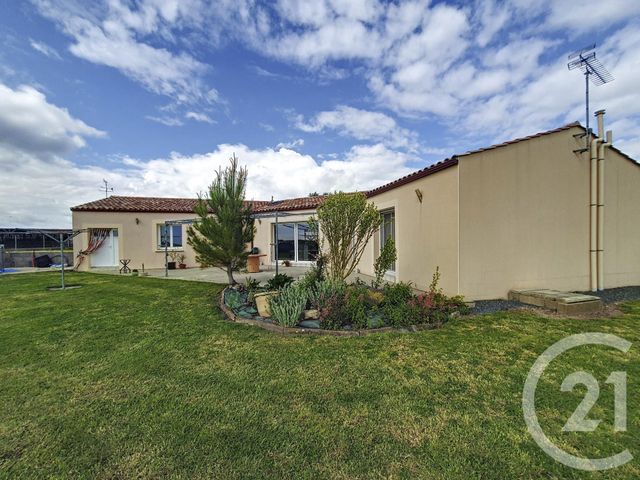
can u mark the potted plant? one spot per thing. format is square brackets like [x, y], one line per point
[180, 258]
[174, 257]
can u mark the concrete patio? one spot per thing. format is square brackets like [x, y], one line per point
[214, 275]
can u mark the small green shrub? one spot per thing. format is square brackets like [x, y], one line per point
[279, 281]
[251, 284]
[333, 312]
[397, 293]
[328, 297]
[312, 277]
[356, 303]
[384, 261]
[324, 290]
[287, 307]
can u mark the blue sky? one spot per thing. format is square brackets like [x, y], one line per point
[154, 95]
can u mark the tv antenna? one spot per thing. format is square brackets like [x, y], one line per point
[593, 70]
[106, 188]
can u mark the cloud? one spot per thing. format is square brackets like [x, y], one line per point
[362, 125]
[280, 173]
[45, 49]
[292, 145]
[39, 185]
[31, 124]
[36, 181]
[166, 120]
[199, 117]
[109, 35]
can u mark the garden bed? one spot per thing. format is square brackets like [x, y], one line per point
[324, 307]
[269, 324]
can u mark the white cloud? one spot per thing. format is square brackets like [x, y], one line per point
[166, 120]
[567, 14]
[108, 35]
[39, 185]
[362, 125]
[31, 124]
[199, 117]
[279, 172]
[292, 145]
[45, 49]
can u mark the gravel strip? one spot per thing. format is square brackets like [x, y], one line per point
[492, 306]
[611, 295]
[621, 294]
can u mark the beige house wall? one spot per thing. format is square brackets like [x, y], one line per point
[426, 233]
[136, 241]
[524, 217]
[621, 221]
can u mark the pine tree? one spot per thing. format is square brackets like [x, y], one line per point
[225, 227]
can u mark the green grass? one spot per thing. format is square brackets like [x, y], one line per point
[140, 377]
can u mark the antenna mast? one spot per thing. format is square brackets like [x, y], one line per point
[106, 188]
[585, 60]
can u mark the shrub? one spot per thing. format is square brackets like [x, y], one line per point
[356, 305]
[347, 222]
[279, 281]
[312, 277]
[328, 298]
[333, 311]
[384, 261]
[251, 284]
[287, 307]
[397, 293]
[324, 290]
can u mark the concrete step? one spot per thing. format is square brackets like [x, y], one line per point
[565, 303]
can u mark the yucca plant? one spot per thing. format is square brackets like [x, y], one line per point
[287, 307]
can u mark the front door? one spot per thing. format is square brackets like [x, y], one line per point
[107, 254]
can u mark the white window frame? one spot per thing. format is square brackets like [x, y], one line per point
[295, 243]
[159, 245]
[392, 212]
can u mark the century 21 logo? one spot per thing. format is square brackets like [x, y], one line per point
[578, 422]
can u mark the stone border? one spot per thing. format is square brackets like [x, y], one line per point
[314, 331]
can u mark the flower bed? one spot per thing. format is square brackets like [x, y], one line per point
[313, 305]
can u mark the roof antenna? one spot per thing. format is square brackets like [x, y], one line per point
[107, 188]
[591, 67]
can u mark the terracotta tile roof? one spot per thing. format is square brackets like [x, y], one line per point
[301, 203]
[425, 172]
[117, 203]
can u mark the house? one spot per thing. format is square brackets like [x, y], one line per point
[535, 212]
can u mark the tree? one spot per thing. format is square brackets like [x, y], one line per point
[225, 227]
[346, 222]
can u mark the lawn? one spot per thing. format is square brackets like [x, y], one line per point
[140, 377]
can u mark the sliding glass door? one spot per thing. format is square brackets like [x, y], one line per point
[295, 242]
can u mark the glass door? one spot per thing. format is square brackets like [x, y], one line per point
[295, 242]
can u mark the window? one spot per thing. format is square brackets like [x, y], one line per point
[170, 236]
[388, 230]
[295, 242]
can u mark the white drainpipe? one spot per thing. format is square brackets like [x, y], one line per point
[603, 142]
[593, 211]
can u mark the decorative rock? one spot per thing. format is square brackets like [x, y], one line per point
[375, 322]
[311, 314]
[310, 323]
